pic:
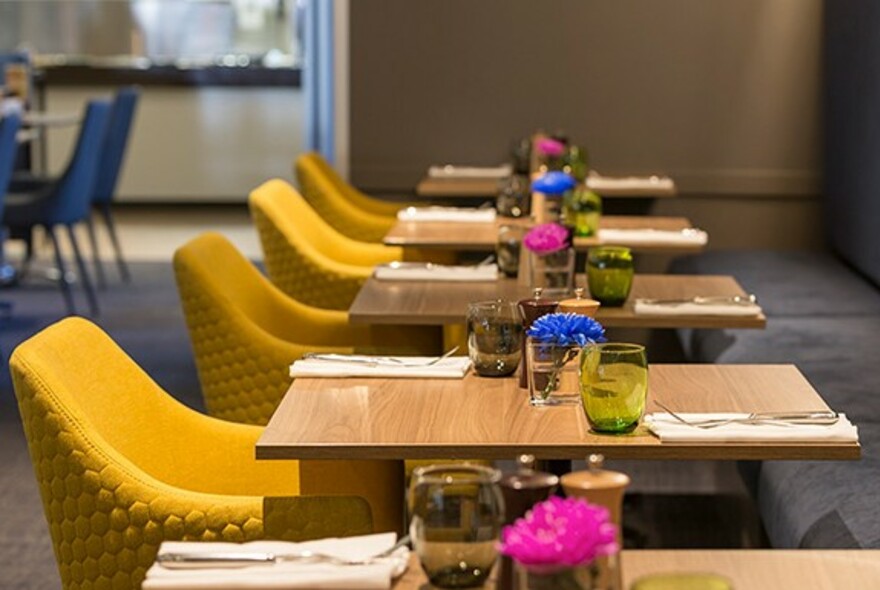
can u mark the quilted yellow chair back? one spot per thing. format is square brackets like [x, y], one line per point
[122, 466]
[305, 257]
[244, 332]
[349, 211]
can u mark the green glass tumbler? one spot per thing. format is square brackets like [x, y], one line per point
[582, 209]
[614, 386]
[610, 273]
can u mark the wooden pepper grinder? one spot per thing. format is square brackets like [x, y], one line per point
[522, 490]
[531, 310]
[579, 305]
[605, 488]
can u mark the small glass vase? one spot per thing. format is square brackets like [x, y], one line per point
[553, 373]
[552, 272]
[580, 577]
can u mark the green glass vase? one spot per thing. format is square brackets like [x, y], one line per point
[614, 386]
[582, 209]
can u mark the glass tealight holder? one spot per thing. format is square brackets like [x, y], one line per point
[613, 386]
[495, 333]
[610, 273]
[457, 513]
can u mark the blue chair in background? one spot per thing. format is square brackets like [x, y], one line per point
[112, 155]
[65, 202]
[9, 126]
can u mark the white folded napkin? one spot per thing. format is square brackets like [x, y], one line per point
[407, 367]
[627, 237]
[712, 308]
[286, 574]
[455, 172]
[668, 429]
[600, 183]
[435, 272]
[447, 214]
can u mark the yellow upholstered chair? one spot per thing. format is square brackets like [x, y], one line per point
[348, 210]
[122, 466]
[245, 332]
[305, 257]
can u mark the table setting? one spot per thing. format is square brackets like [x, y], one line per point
[484, 271]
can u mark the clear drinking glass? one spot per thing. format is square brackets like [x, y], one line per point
[457, 513]
[553, 272]
[610, 273]
[614, 385]
[495, 333]
[508, 248]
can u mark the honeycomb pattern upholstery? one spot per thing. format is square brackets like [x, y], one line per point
[346, 209]
[122, 466]
[305, 257]
[245, 333]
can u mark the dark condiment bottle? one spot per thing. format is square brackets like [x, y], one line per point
[521, 490]
[531, 310]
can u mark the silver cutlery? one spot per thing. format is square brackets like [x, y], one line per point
[183, 560]
[707, 300]
[819, 418]
[432, 266]
[376, 361]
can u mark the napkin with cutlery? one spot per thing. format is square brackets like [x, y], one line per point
[600, 183]
[635, 237]
[414, 271]
[447, 214]
[360, 365]
[670, 429]
[328, 573]
[450, 172]
[697, 306]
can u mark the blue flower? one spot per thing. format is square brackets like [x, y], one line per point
[567, 329]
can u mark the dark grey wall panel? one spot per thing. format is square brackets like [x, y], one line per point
[852, 131]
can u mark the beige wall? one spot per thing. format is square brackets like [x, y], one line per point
[191, 144]
[721, 94]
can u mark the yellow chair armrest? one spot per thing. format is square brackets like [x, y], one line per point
[313, 517]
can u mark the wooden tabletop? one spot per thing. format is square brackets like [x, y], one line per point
[746, 569]
[486, 418]
[488, 188]
[440, 303]
[481, 237]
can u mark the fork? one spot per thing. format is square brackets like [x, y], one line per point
[378, 360]
[821, 418]
[244, 559]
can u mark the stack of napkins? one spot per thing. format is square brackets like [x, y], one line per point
[635, 237]
[696, 307]
[668, 429]
[360, 365]
[447, 214]
[450, 172]
[599, 183]
[377, 573]
[414, 271]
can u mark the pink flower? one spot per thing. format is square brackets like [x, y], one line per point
[551, 148]
[546, 238]
[566, 532]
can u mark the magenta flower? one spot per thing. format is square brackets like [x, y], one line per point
[559, 532]
[551, 148]
[546, 238]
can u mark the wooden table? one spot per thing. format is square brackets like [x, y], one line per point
[482, 237]
[484, 418]
[488, 188]
[438, 303]
[746, 569]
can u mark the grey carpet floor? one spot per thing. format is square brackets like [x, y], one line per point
[675, 504]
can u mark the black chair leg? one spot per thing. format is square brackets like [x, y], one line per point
[84, 273]
[62, 282]
[96, 256]
[114, 239]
